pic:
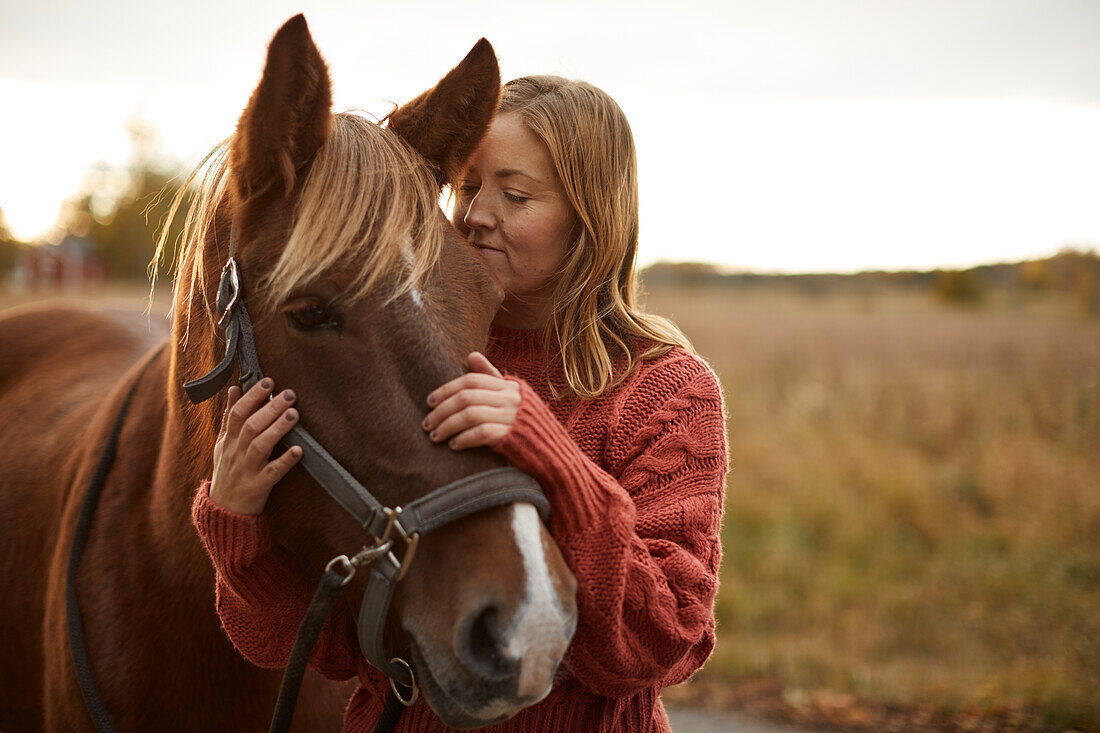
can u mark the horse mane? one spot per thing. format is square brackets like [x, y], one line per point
[368, 207]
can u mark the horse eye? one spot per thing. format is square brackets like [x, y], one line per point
[314, 316]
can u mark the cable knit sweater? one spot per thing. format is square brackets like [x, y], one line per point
[635, 481]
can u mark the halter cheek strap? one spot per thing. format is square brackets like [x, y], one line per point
[389, 526]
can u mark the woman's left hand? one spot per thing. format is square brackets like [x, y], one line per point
[476, 409]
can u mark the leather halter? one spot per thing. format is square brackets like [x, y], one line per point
[386, 525]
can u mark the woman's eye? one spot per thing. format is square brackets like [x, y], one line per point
[314, 316]
[515, 198]
[468, 189]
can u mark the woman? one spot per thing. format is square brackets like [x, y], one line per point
[607, 406]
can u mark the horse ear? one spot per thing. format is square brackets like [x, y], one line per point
[288, 117]
[446, 123]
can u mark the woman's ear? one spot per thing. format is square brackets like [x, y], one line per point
[446, 123]
[288, 117]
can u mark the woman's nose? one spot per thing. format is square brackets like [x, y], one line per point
[479, 214]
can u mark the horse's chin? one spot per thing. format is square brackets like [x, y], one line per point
[451, 711]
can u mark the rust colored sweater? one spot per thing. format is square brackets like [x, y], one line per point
[635, 481]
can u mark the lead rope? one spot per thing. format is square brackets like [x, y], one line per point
[332, 582]
[338, 573]
[391, 713]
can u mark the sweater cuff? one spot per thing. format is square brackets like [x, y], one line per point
[579, 491]
[242, 549]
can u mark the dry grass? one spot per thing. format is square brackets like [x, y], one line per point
[913, 513]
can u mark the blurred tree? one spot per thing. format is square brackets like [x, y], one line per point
[121, 210]
[959, 287]
[1036, 275]
[1082, 275]
[681, 274]
[1087, 292]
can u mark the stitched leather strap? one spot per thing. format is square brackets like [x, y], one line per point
[504, 485]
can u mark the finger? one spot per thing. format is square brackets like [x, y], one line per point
[265, 442]
[472, 380]
[275, 470]
[485, 434]
[267, 414]
[247, 404]
[231, 398]
[465, 419]
[479, 363]
[463, 399]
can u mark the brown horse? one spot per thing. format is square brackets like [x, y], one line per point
[364, 299]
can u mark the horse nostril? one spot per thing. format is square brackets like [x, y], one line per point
[481, 642]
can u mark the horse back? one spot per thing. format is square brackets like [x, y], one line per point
[57, 366]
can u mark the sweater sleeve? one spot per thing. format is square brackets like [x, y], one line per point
[642, 538]
[259, 599]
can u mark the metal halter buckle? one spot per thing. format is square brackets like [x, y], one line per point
[234, 280]
[411, 541]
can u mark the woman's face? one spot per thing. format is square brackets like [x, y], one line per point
[511, 206]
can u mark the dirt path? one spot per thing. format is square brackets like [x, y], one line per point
[694, 720]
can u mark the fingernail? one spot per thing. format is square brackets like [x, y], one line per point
[427, 423]
[451, 442]
[433, 434]
[266, 384]
[291, 415]
[288, 395]
[431, 400]
[295, 451]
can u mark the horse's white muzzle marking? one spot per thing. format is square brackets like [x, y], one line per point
[540, 629]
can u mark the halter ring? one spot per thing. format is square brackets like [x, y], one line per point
[406, 701]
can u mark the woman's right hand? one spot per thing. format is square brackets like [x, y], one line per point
[251, 427]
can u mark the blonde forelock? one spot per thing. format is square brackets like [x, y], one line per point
[368, 208]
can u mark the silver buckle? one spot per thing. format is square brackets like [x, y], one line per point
[230, 270]
[411, 541]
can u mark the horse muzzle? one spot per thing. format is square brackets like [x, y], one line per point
[502, 649]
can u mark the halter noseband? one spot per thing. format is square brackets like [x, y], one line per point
[387, 525]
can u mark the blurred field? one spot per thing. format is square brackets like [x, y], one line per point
[913, 513]
[115, 294]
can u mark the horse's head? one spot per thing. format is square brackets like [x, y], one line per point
[364, 299]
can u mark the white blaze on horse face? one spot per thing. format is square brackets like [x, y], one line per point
[539, 635]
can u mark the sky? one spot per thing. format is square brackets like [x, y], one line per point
[772, 135]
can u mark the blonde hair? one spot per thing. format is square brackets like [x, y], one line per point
[596, 320]
[368, 205]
